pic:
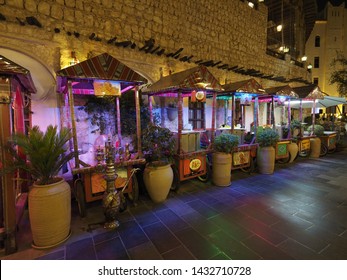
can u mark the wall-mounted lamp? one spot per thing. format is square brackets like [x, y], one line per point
[309, 66]
[279, 28]
[74, 59]
[251, 4]
[304, 58]
[283, 49]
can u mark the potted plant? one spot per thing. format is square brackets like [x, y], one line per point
[158, 144]
[266, 154]
[49, 199]
[223, 146]
[316, 142]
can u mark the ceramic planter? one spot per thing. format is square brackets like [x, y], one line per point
[266, 160]
[158, 181]
[50, 213]
[221, 168]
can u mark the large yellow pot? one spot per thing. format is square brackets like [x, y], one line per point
[315, 144]
[293, 150]
[50, 213]
[266, 160]
[158, 181]
[221, 169]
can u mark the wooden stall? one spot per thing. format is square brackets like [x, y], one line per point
[188, 89]
[239, 96]
[16, 86]
[101, 76]
[278, 96]
[310, 94]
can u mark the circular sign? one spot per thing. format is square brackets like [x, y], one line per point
[200, 95]
[195, 164]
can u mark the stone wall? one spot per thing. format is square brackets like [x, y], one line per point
[154, 37]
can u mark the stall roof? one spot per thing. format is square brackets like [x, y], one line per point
[310, 92]
[197, 78]
[9, 68]
[246, 86]
[102, 67]
[285, 90]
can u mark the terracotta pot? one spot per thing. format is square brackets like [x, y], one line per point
[315, 144]
[266, 160]
[50, 213]
[293, 150]
[158, 181]
[221, 169]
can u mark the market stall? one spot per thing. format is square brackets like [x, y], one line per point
[331, 122]
[241, 102]
[310, 93]
[187, 90]
[16, 86]
[278, 96]
[102, 76]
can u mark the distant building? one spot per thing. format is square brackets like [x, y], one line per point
[328, 37]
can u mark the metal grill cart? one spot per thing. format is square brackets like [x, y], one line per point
[16, 86]
[280, 95]
[101, 76]
[188, 90]
[307, 94]
[241, 95]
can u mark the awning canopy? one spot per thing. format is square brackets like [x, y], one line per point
[285, 90]
[197, 78]
[250, 86]
[310, 92]
[327, 101]
[9, 68]
[101, 67]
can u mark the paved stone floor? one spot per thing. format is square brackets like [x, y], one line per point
[299, 212]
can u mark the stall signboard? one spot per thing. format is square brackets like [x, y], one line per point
[241, 158]
[106, 88]
[198, 96]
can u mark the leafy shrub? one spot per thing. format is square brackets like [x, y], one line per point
[318, 130]
[266, 137]
[225, 143]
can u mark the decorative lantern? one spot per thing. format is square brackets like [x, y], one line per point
[245, 99]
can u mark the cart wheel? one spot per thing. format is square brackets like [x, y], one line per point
[176, 180]
[207, 176]
[133, 196]
[323, 150]
[80, 197]
[304, 153]
[284, 160]
[332, 150]
[251, 167]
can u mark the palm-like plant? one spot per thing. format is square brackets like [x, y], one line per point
[46, 153]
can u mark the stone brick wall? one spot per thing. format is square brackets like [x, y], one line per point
[225, 32]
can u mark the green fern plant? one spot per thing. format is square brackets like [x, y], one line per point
[46, 153]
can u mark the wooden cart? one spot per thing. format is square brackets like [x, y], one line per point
[241, 94]
[16, 86]
[328, 142]
[102, 75]
[191, 88]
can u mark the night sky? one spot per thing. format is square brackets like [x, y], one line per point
[321, 3]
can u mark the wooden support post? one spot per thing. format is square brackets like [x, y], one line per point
[73, 124]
